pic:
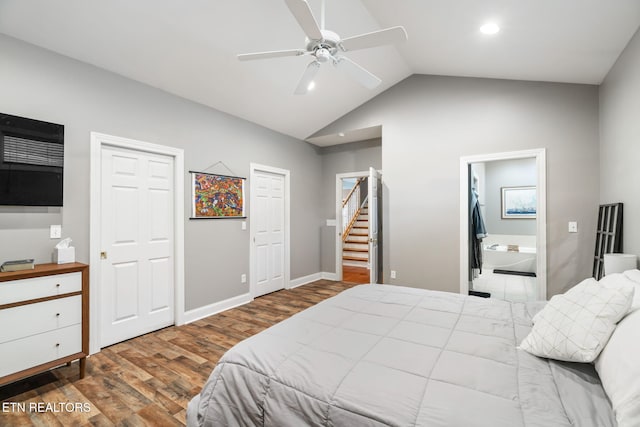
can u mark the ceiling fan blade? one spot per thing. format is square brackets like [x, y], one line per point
[303, 14]
[359, 74]
[307, 78]
[271, 54]
[376, 38]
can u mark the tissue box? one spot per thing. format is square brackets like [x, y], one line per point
[64, 255]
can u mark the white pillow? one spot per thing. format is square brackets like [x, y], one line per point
[580, 285]
[634, 276]
[576, 325]
[619, 368]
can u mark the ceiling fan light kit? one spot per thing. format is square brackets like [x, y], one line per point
[327, 46]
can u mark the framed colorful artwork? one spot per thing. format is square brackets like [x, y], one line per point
[217, 196]
[519, 202]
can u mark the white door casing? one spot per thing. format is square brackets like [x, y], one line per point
[137, 218]
[136, 283]
[374, 183]
[269, 230]
[541, 213]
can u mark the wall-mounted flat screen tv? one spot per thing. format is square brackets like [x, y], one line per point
[31, 162]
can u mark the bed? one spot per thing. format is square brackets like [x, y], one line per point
[379, 355]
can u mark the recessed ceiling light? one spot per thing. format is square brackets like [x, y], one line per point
[311, 85]
[489, 28]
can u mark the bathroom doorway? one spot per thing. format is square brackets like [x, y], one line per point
[503, 223]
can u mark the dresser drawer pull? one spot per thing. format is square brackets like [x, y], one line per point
[58, 345]
[57, 285]
[57, 314]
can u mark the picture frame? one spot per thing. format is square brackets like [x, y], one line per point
[216, 196]
[519, 202]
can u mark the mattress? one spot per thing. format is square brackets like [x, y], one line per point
[379, 355]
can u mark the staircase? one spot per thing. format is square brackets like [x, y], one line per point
[355, 248]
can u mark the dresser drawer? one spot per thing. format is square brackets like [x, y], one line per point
[39, 287]
[38, 349]
[32, 319]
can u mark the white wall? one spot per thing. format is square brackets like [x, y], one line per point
[43, 85]
[620, 141]
[429, 122]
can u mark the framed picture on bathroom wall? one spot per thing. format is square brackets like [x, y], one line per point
[519, 202]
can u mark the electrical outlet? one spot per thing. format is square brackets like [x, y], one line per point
[573, 227]
[243, 278]
[393, 274]
[55, 232]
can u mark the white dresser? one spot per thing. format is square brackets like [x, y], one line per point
[44, 318]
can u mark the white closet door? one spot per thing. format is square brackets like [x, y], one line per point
[137, 241]
[269, 236]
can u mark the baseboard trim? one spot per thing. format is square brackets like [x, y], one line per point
[216, 307]
[330, 276]
[304, 280]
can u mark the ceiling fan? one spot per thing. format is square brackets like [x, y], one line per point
[327, 46]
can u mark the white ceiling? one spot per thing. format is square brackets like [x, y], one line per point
[188, 48]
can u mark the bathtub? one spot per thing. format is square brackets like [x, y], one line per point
[498, 256]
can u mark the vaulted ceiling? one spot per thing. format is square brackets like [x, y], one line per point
[189, 48]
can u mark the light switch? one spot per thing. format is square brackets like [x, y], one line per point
[244, 225]
[573, 227]
[55, 232]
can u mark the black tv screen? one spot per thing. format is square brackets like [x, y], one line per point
[31, 162]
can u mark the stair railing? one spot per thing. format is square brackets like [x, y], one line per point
[351, 209]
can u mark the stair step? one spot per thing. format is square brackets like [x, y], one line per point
[364, 264]
[352, 258]
[356, 249]
[358, 244]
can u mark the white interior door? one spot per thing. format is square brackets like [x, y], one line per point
[268, 219]
[137, 243]
[374, 183]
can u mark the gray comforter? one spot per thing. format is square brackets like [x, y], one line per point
[388, 355]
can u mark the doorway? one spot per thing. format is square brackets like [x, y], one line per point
[270, 206]
[136, 238]
[503, 225]
[358, 208]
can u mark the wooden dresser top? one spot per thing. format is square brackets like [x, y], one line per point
[43, 270]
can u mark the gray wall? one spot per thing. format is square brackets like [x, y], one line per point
[429, 122]
[620, 141]
[344, 158]
[42, 85]
[507, 173]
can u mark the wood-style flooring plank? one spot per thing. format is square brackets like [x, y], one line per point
[149, 380]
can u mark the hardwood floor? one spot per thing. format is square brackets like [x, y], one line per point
[352, 274]
[148, 381]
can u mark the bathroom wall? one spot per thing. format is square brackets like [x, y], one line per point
[507, 173]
